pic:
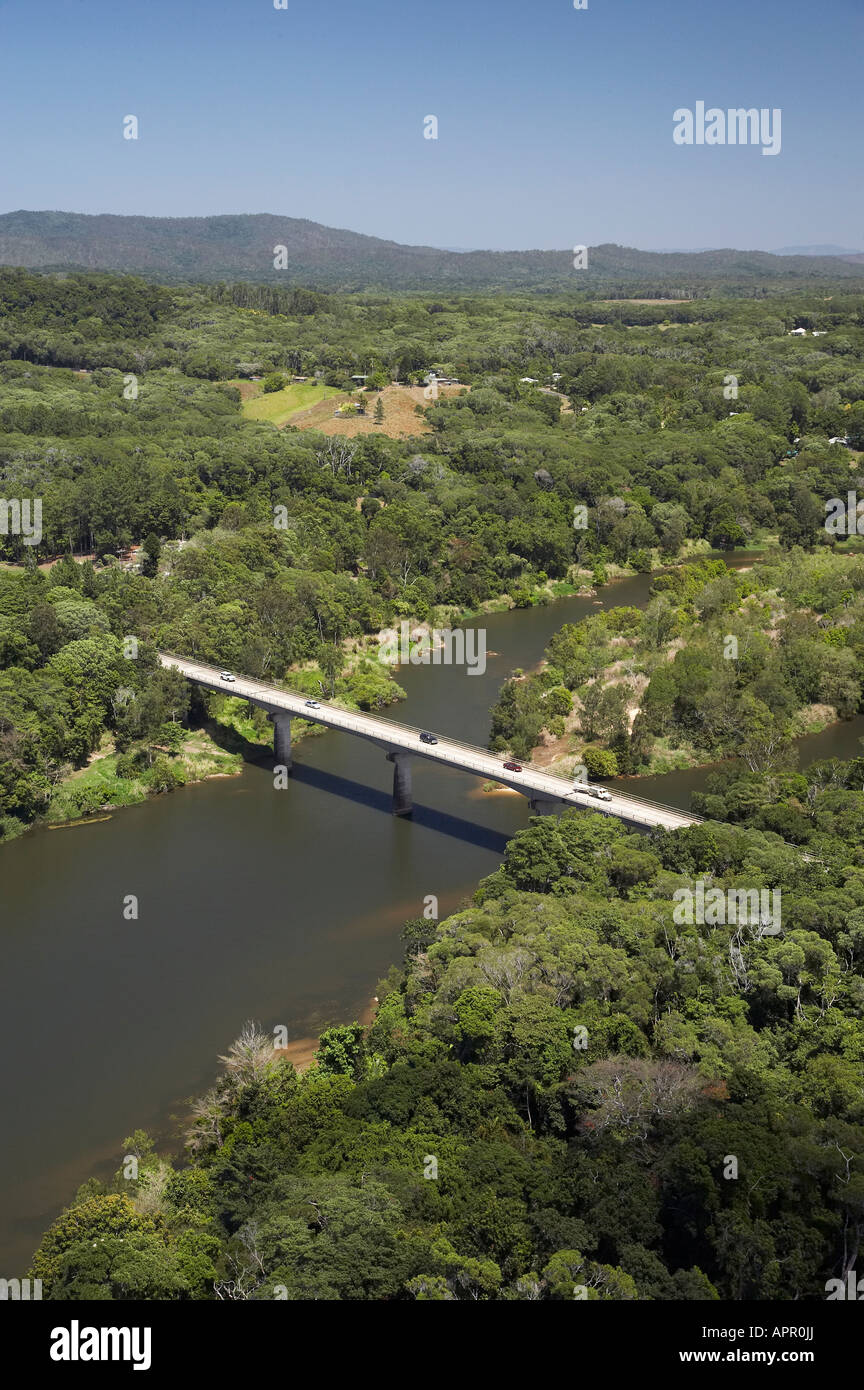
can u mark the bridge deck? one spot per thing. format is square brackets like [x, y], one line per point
[532, 781]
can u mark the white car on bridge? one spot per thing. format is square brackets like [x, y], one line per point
[401, 741]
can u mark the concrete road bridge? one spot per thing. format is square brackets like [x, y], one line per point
[545, 791]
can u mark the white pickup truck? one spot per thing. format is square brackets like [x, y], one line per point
[586, 789]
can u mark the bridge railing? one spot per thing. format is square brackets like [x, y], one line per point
[528, 766]
[471, 749]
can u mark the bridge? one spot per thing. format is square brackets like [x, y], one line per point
[545, 791]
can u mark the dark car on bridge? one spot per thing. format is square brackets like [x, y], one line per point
[513, 767]
[427, 738]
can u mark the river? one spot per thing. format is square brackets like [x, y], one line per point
[280, 906]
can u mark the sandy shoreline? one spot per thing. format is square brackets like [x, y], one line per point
[301, 1051]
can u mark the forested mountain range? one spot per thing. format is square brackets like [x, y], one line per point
[242, 247]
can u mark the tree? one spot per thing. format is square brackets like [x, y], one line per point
[340, 1050]
[476, 1013]
[152, 550]
[600, 762]
[671, 522]
[80, 1225]
[45, 630]
[379, 411]
[330, 659]
[725, 531]
[417, 934]
[604, 710]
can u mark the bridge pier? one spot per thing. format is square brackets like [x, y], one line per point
[281, 739]
[403, 803]
[537, 787]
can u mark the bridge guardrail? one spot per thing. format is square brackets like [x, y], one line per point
[468, 748]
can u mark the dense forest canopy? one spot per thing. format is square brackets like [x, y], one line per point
[117, 411]
[566, 1084]
[718, 665]
[564, 1090]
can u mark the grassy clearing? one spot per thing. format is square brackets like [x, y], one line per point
[277, 407]
[401, 420]
[94, 787]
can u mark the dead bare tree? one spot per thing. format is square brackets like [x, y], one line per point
[338, 456]
[630, 1093]
[505, 969]
[206, 1130]
[250, 1055]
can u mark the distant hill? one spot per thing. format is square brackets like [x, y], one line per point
[817, 251]
[242, 248]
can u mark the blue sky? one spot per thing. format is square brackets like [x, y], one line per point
[555, 125]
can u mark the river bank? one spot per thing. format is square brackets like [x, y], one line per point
[283, 907]
[235, 733]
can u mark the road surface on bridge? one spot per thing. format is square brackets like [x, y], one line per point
[533, 782]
